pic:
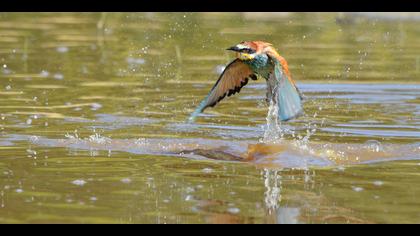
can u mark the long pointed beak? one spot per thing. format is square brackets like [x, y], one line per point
[234, 48]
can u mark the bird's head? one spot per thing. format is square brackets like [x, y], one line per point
[249, 50]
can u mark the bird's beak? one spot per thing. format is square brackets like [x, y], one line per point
[234, 48]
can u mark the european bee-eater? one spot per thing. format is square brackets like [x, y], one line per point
[257, 59]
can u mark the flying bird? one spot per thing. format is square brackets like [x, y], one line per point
[256, 59]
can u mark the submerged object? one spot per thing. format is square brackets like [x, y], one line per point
[257, 59]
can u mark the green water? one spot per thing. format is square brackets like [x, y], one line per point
[93, 109]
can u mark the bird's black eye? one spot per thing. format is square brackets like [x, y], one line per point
[248, 50]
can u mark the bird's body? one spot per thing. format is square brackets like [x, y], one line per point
[257, 59]
[261, 65]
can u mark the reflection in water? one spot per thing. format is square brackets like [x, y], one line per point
[272, 183]
[288, 215]
[279, 212]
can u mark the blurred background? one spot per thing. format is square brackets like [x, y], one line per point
[346, 46]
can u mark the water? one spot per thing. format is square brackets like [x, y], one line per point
[93, 109]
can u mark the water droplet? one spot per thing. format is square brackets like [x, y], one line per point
[219, 69]
[126, 180]
[95, 106]
[31, 152]
[29, 121]
[62, 49]
[378, 183]
[189, 198]
[234, 210]
[4, 66]
[135, 61]
[58, 76]
[44, 73]
[79, 182]
[357, 189]
[207, 170]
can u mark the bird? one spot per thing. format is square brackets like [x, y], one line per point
[257, 59]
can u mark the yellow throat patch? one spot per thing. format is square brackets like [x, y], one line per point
[245, 56]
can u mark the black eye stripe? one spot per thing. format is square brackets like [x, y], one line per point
[248, 50]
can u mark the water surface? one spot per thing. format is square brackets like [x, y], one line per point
[93, 109]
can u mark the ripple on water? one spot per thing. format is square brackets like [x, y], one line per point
[112, 122]
[374, 132]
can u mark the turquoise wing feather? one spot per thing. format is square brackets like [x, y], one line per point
[286, 95]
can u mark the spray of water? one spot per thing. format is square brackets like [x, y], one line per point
[273, 132]
[95, 138]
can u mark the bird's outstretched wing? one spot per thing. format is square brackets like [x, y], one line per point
[233, 78]
[284, 92]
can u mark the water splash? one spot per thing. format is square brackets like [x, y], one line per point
[95, 138]
[98, 138]
[302, 142]
[273, 132]
[373, 146]
[74, 136]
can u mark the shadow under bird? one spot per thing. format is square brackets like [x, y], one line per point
[257, 59]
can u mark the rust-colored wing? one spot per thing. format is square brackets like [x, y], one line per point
[233, 78]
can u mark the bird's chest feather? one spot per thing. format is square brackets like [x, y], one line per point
[262, 65]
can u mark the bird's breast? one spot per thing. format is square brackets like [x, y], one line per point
[261, 65]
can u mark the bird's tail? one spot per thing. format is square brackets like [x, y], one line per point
[289, 100]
